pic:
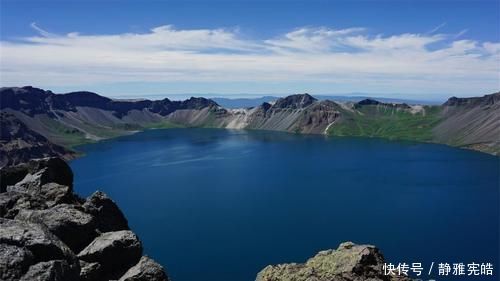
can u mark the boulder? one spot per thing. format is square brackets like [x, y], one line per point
[145, 270]
[23, 245]
[11, 202]
[350, 262]
[90, 271]
[108, 216]
[115, 251]
[68, 222]
[36, 173]
[14, 261]
[55, 270]
[36, 238]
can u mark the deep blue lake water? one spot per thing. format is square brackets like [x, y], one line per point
[219, 205]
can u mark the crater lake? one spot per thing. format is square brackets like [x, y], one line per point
[220, 205]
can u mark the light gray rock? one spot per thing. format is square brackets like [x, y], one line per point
[11, 202]
[36, 238]
[350, 262]
[115, 251]
[145, 270]
[25, 244]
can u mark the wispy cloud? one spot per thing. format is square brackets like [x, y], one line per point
[435, 29]
[41, 31]
[407, 62]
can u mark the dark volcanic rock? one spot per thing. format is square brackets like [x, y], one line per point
[36, 238]
[90, 271]
[29, 177]
[294, 101]
[12, 202]
[369, 102]
[68, 222]
[145, 270]
[28, 249]
[55, 270]
[474, 101]
[14, 261]
[43, 223]
[108, 216]
[115, 251]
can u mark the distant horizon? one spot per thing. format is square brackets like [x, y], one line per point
[251, 96]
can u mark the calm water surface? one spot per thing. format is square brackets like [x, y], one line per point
[219, 205]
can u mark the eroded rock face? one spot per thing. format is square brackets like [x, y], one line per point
[28, 249]
[145, 270]
[43, 224]
[108, 216]
[29, 177]
[115, 251]
[349, 262]
[68, 222]
[58, 270]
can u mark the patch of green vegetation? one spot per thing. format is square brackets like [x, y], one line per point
[62, 134]
[387, 122]
[162, 125]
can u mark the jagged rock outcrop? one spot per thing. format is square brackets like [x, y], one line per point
[49, 233]
[115, 252]
[350, 262]
[145, 270]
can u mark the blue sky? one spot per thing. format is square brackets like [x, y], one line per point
[415, 49]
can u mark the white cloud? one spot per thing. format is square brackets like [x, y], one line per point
[401, 63]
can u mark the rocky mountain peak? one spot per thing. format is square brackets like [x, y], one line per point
[368, 102]
[474, 101]
[295, 101]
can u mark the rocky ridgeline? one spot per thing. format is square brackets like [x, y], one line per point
[49, 233]
[350, 262]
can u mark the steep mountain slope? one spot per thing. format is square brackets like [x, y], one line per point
[471, 122]
[19, 144]
[79, 117]
[370, 118]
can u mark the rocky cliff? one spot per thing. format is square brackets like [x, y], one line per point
[48, 233]
[18, 143]
[350, 262]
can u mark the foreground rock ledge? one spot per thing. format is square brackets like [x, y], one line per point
[350, 262]
[47, 233]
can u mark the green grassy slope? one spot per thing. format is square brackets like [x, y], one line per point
[387, 122]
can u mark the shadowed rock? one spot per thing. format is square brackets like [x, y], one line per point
[108, 216]
[30, 176]
[68, 222]
[145, 270]
[115, 251]
[90, 271]
[27, 246]
[12, 202]
[43, 223]
[55, 270]
[14, 261]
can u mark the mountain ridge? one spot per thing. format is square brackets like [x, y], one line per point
[70, 119]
